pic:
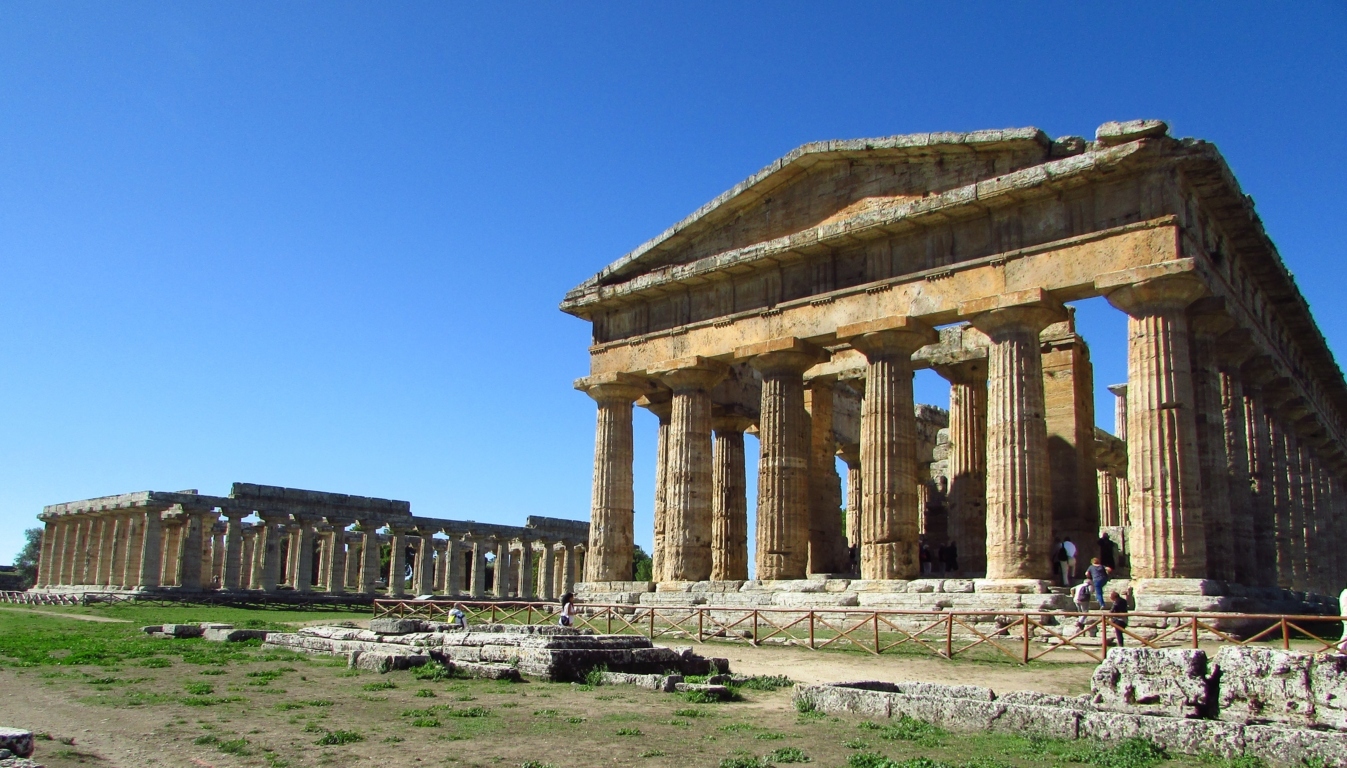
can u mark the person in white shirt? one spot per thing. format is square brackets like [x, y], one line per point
[1071, 557]
[1081, 597]
[567, 610]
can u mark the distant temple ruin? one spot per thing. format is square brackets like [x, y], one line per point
[799, 303]
[178, 543]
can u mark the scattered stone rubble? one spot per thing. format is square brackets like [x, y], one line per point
[16, 745]
[495, 650]
[1282, 706]
[219, 633]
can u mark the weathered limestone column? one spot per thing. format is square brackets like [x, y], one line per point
[272, 531]
[1120, 426]
[526, 569]
[370, 564]
[291, 554]
[441, 566]
[1231, 351]
[397, 564]
[1298, 493]
[453, 576]
[688, 480]
[425, 565]
[851, 455]
[610, 518]
[107, 550]
[783, 468]
[135, 542]
[81, 559]
[567, 566]
[1108, 498]
[968, 462]
[661, 405]
[1209, 321]
[479, 548]
[233, 545]
[1256, 374]
[61, 568]
[192, 541]
[44, 559]
[1165, 509]
[150, 565]
[1019, 488]
[354, 566]
[247, 557]
[500, 576]
[827, 538]
[323, 547]
[304, 563]
[729, 508]
[547, 588]
[217, 554]
[1281, 498]
[890, 514]
[336, 558]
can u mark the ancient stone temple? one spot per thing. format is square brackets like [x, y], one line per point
[798, 304]
[303, 544]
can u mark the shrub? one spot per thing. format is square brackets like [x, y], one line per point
[921, 732]
[787, 755]
[432, 672]
[1128, 753]
[629, 732]
[200, 689]
[767, 682]
[469, 712]
[426, 722]
[594, 677]
[158, 662]
[379, 685]
[805, 705]
[334, 738]
[742, 761]
[425, 693]
[770, 736]
[691, 712]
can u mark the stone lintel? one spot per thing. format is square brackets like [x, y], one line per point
[1028, 298]
[1138, 275]
[785, 353]
[1117, 132]
[891, 335]
[695, 372]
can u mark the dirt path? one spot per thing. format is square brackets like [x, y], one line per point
[104, 736]
[76, 616]
[806, 666]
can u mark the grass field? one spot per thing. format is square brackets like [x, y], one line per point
[107, 695]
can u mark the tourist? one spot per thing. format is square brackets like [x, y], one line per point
[1097, 574]
[1081, 597]
[1106, 548]
[1118, 604]
[924, 555]
[951, 557]
[567, 609]
[1070, 557]
[1063, 562]
[1342, 611]
[458, 616]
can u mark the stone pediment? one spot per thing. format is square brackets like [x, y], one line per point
[828, 181]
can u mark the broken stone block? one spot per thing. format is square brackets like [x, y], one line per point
[1260, 685]
[488, 671]
[17, 740]
[395, 626]
[230, 635]
[1328, 683]
[375, 661]
[717, 692]
[1148, 681]
[1295, 746]
[180, 630]
[1120, 132]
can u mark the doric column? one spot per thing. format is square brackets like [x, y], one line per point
[114, 573]
[1281, 497]
[425, 565]
[304, 563]
[1119, 392]
[442, 565]
[233, 552]
[1019, 488]
[827, 538]
[44, 560]
[1209, 321]
[967, 497]
[851, 456]
[688, 483]
[660, 404]
[500, 572]
[1256, 373]
[397, 564]
[611, 510]
[890, 514]
[453, 576]
[1298, 494]
[107, 550]
[526, 569]
[567, 566]
[478, 584]
[322, 545]
[247, 556]
[783, 522]
[81, 564]
[192, 542]
[150, 566]
[1232, 350]
[272, 531]
[547, 575]
[54, 545]
[336, 557]
[370, 565]
[217, 550]
[729, 507]
[1165, 509]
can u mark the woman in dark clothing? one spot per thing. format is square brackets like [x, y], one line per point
[1106, 547]
[952, 557]
[1117, 604]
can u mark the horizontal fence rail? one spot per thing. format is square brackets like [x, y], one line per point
[1021, 636]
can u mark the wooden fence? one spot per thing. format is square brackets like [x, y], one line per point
[1022, 636]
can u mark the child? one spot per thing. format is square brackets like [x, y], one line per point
[567, 609]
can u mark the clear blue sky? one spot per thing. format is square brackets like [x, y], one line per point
[322, 245]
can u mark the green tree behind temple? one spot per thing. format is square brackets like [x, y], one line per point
[26, 560]
[641, 565]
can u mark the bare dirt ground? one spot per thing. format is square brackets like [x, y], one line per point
[77, 617]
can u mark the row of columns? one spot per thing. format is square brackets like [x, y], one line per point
[1220, 484]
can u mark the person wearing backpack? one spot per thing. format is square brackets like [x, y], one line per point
[1081, 597]
[1063, 562]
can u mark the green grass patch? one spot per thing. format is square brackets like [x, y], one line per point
[787, 755]
[379, 685]
[767, 682]
[629, 732]
[337, 738]
[199, 689]
[425, 693]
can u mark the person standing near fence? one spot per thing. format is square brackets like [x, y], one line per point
[1118, 605]
[1081, 597]
[1097, 574]
[567, 610]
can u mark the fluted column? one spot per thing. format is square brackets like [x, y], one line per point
[150, 564]
[526, 569]
[500, 574]
[827, 538]
[547, 571]
[423, 570]
[782, 537]
[1232, 351]
[107, 550]
[233, 555]
[851, 456]
[273, 530]
[1256, 374]
[336, 557]
[1299, 494]
[44, 560]
[660, 404]
[441, 566]
[688, 481]
[567, 566]
[397, 563]
[1279, 481]
[304, 563]
[354, 554]
[453, 573]
[610, 518]
[370, 564]
[192, 541]
[890, 513]
[729, 509]
[1213, 463]
[53, 545]
[967, 497]
[1019, 488]
[1168, 535]
[217, 554]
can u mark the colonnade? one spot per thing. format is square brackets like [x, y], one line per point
[1229, 474]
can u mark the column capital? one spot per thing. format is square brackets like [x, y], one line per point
[970, 371]
[689, 374]
[725, 419]
[850, 453]
[658, 402]
[622, 387]
[1209, 322]
[1033, 309]
[784, 355]
[1167, 286]
[1234, 347]
[1259, 371]
[888, 336]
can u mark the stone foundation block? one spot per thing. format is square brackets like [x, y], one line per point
[662, 683]
[17, 741]
[814, 599]
[1147, 681]
[488, 671]
[1294, 746]
[717, 692]
[180, 630]
[1261, 685]
[1011, 586]
[395, 626]
[234, 635]
[373, 661]
[1054, 722]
